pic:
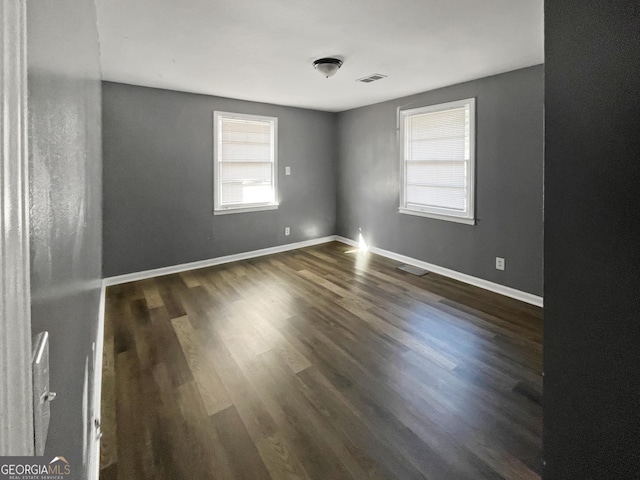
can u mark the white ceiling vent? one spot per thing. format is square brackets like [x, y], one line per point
[371, 78]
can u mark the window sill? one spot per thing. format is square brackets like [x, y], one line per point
[449, 218]
[226, 211]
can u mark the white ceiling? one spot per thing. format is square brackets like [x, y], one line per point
[262, 50]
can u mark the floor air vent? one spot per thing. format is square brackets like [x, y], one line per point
[413, 270]
[371, 78]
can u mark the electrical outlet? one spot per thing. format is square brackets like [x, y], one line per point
[500, 263]
[287, 170]
[287, 231]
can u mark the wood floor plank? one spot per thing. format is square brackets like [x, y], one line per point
[163, 335]
[109, 472]
[211, 455]
[319, 363]
[349, 454]
[279, 458]
[409, 427]
[346, 418]
[152, 294]
[212, 391]
[244, 459]
[132, 454]
[190, 280]
[108, 442]
[318, 457]
[276, 452]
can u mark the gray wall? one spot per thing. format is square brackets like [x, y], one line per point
[158, 179]
[65, 204]
[592, 240]
[509, 166]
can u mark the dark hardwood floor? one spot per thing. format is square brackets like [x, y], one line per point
[319, 363]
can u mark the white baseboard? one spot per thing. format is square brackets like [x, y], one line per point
[463, 277]
[348, 241]
[93, 468]
[157, 272]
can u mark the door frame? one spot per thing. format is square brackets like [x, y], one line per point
[16, 404]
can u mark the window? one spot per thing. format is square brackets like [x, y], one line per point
[437, 161]
[245, 163]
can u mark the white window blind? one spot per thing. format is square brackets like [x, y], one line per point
[437, 160]
[245, 162]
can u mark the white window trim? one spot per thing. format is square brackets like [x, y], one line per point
[244, 208]
[431, 212]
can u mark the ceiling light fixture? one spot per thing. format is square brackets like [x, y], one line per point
[327, 66]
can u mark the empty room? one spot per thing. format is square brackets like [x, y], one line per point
[320, 240]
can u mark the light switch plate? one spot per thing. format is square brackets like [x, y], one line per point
[287, 170]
